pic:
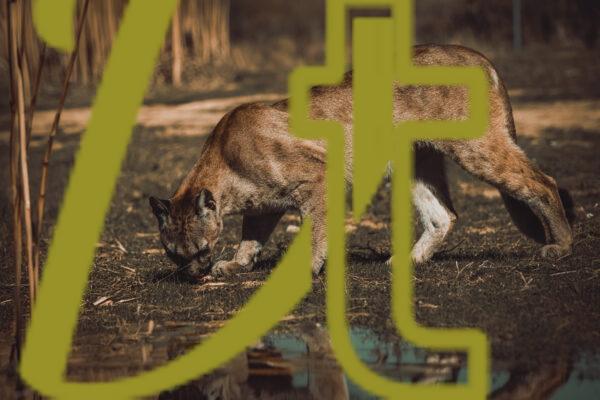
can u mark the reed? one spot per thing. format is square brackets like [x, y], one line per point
[17, 71]
[14, 187]
[201, 35]
[176, 49]
[36, 89]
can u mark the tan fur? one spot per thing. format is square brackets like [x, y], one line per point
[251, 165]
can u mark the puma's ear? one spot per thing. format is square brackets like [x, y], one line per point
[205, 202]
[160, 207]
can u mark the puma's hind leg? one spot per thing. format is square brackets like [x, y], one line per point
[497, 160]
[432, 203]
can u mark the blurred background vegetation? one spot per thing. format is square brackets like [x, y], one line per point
[214, 40]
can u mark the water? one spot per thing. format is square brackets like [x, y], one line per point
[301, 365]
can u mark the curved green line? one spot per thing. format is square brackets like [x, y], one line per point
[474, 342]
[81, 219]
[103, 147]
[53, 20]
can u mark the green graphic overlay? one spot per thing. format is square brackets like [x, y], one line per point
[382, 54]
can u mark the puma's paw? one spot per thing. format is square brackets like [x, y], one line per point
[555, 251]
[416, 260]
[224, 268]
[317, 268]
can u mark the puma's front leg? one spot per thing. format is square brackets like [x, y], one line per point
[256, 230]
[432, 202]
[244, 259]
[319, 245]
[318, 214]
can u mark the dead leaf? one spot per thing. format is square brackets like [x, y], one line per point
[120, 246]
[126, 300]
[481, 231]
[145, 234]
[152, 251]
[210, 286]
[251, 284]
[101, 300]
[376, 226]
[422, 304]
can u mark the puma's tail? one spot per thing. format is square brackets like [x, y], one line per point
[527, 222]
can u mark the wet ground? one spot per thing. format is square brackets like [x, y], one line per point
[542, 317]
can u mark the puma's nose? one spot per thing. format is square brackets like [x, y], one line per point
[200, 264]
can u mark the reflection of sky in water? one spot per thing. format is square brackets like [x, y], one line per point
[584, 381]
[581, 383]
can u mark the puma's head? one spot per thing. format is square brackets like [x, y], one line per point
[189, 228]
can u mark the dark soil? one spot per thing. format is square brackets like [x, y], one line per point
[535, 312]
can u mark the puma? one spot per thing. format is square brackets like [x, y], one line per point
[252, 165]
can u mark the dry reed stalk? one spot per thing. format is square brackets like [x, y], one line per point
[191, 8]
[21, 7]
[111, 17]
[28, 41]
[36, 88]
[224, 37]
[204, 15]
[91, 31]
[46, 161]
[31, 44]
[14, 189]
[4, 39]
[32, 106]
[25, 193]
[176, 52]
[206, 23]
[83, 73]
[95, 29]
[213, 19]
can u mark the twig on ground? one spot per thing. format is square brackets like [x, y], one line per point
[460, 270]
[564, 273]
[120, 246]
[525, 280]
